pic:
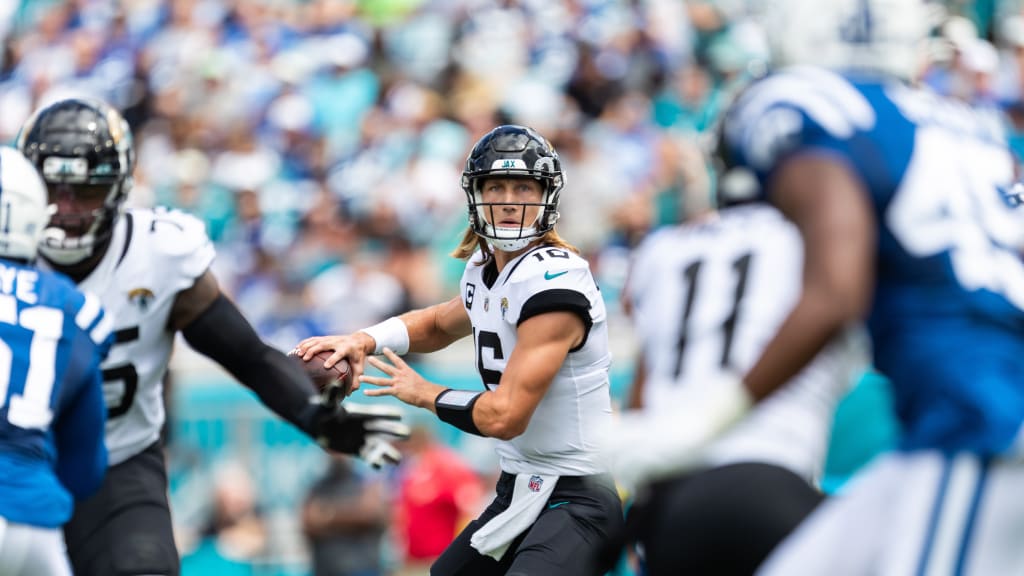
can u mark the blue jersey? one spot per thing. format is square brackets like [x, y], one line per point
[52, 339]
[948, 309]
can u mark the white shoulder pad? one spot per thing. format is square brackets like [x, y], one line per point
[177, 239]
[826, 97]
[548, 269]
[771, 112]
[473, 269]
[476, 258]
[546, 262]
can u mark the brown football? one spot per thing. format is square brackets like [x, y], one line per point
[334, 383]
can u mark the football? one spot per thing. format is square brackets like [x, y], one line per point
[334, 383]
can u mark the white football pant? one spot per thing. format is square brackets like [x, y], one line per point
[916, 513]
[32, 551]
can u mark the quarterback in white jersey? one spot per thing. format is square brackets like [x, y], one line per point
[706, 297]
[559, 437]
[150, 269]
[539, 327]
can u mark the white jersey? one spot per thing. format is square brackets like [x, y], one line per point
[707, 297]
[561, 436]
[153, 255]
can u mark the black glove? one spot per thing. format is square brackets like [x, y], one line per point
[363, 430]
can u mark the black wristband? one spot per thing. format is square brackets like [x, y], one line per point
[456, 408]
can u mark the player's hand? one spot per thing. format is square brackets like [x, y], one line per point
[400, 381]
[640, 448]
[363, 430]
[353, 347]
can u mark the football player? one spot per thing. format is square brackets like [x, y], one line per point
[52, 340]
[901, 198]
[150, 268]
[706, 296]
[540, 331]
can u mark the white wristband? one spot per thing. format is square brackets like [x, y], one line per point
[391, 333]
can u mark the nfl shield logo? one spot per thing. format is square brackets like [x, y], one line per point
[535, 483]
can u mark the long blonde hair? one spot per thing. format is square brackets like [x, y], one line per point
[471, 242]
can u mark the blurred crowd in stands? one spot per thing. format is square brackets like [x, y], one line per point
[322, 140]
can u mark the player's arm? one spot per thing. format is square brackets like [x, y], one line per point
[424, 330]
[436, 327]
[543, 341]
[828, 204]
[215, 327]
[81, 451]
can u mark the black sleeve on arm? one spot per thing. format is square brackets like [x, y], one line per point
[559, 300]
[224, 335]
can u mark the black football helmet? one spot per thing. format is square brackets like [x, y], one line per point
[510, 151]
[82, 147]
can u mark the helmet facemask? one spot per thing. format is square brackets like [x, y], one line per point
[72, 237]
[485, 217]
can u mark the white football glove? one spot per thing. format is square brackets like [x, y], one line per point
[378, 451]
[641, 447]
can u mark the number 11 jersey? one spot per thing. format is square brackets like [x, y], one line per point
[707, 297]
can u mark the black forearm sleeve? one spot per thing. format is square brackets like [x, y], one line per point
[223, 334]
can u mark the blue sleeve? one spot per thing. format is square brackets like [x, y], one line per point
[81, 450]
[794, 112]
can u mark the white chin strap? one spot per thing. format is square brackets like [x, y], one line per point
[512, 244]
[59, 249]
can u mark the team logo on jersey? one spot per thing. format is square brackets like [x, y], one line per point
[487, 303]
[141, 297]
[504, 307]
[470, 289]
[535, 483]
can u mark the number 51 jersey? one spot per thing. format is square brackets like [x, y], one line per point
[562, 434]
[153, 255]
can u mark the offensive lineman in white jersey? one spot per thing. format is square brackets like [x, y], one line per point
[151, 271]
[706, 297]
[539, 326]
